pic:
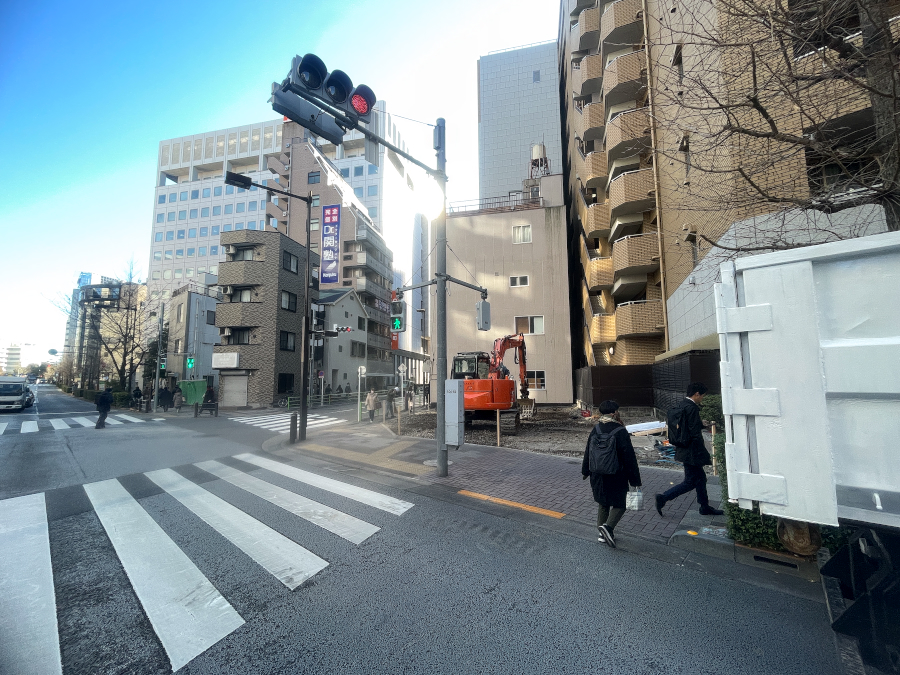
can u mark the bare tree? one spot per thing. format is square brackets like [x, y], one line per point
[777, 115]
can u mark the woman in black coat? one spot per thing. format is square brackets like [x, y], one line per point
[610, 490]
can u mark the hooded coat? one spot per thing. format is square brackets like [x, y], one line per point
[605, 485]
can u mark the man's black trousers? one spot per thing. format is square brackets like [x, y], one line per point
[694, 479]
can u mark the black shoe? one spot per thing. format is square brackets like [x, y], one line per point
[607, 534]
[710, 511]
[600, 536]
[660, 503]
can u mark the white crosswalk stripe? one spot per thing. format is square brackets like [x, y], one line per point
[59, 424]
[3, 426]
[29, 427]
[63, 423]
[84, 421]
[281, 422]
[185, 609]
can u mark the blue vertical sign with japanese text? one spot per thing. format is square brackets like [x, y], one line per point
[331, 244]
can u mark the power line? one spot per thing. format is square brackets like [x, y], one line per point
[411, 119]
[462, 263]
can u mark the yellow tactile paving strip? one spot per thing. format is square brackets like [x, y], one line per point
[383, 458]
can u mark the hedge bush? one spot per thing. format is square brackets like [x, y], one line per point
[90, 394]
[121, 399]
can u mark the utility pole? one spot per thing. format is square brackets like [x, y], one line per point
[159, 355]
[304, 387]
[440, 268]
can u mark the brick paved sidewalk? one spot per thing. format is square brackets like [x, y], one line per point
[555, 483]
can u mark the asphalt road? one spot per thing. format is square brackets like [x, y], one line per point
[445, 586]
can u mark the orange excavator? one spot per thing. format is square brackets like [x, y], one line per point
[488, 386]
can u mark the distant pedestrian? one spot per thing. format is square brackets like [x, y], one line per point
[165, 398]
[136, 396]
[610, 452]
[104, 403]
[340, 390]
[209, 399]
[426, 394]
[178, 399]
[347, 390]
[690, 450]
[328, 392]
[371, 404]
[409, 397]
[391, 395]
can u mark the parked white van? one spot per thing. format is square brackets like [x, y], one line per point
[13, 393]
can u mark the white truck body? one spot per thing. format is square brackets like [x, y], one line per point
[810, 367]
[12, 393]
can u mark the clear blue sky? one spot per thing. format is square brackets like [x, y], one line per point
[88, 89]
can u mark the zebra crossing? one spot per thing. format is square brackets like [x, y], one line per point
[63, 423]
[186, 610]
[281, 422]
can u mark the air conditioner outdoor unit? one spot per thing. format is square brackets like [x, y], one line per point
[229, 248]
[226, 332]
[227, 290]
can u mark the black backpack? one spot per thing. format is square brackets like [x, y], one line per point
[679, 436]
[603, 456]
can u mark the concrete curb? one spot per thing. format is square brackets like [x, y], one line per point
[707, 544]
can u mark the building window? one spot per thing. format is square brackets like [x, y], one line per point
[313, 177]
[313, 224]
[161, 199]
[210, 317]
[239, 208]
[189, 272]
[535, 76]
[158, 236]
[373, 211]
[289, 301]
[358, 191]
[290, 262]
[373, 190]
[240, 295]
[178, 319]
[361, 323]
[217, 191]
[195, 194]
[372, 169]
[169, 254]
[206, 192]
[181, 234]
[229, 208]
[173, 196]
[238, 226]
[201, 252]
[182, 215]
[518, 281]
[160, 217]
[251, 224]
[243, 254]
[521, 234]
[251, 206]
[357, 171]
[204, 212]
[179, 253]
[229, 189]
[171, 217]
[190, 253]
[156, 275]
[192, 233]
[204, 231]
[214, 250]
[214, 230]
[315, 200]
[285, 380]
[358, 349]
[167, 275]
[345, 172]
[170, 235]
[530, 325]
[178, 273]
[157, 255]
[184, 196]
[178, 341]
[287, 341]
[536, 379]
[239, 336]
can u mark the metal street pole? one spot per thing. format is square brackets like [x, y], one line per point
[162, 311]
[440, 264]
[304, 389]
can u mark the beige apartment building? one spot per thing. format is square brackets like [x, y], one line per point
[515, 247]
[652, 185]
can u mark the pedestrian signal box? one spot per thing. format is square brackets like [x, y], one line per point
[398, 316]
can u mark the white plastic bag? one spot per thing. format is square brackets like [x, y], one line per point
[634, 500]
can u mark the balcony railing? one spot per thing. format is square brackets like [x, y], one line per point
[593, 172]
[639, 318]
[513, 202]
[592, 122]
[631, 192]
[591, 70]
[638, 253]
[628, 134]
[624, 79]
[598, 270]
[588, 29]
[621, 24]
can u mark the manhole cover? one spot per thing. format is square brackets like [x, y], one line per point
[433, 462]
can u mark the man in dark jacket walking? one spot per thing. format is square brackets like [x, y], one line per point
[104, 403]
[391, 395]
[694, 455]
[610, 489]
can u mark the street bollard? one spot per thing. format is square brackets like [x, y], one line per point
[293, 427]
[196, 410]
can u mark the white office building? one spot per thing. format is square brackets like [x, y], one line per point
[518, 107]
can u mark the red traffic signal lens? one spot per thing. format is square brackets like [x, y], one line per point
[360, 104]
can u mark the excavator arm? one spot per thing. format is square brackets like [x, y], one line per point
[501, 345]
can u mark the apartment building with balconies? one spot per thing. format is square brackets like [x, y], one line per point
[260, 319]
[518, 107]
[640, 221]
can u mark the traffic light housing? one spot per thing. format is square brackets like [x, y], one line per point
[398, 316]
[309, 78]
[342, 329]
[162, 363]
[190, 362]
[307, 115]
[483, 315]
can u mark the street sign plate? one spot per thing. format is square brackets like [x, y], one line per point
[402, 368]
[362, 370]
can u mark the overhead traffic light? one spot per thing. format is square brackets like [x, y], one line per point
[162, 363]
[307, 115]
[342, 329]
[398, 316]
[190, 362]
[310, 78]
[483, 315]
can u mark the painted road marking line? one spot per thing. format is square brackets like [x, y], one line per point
[517, 505]
[3, 426]
[111, 420]
[84, 421]
[28, 427]
[188, 614]
[341, 524]
[28, 629]
[324, 423]
[284, 559]
[59, 424]
[159, 419]
[129, 418]
[379, 501]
